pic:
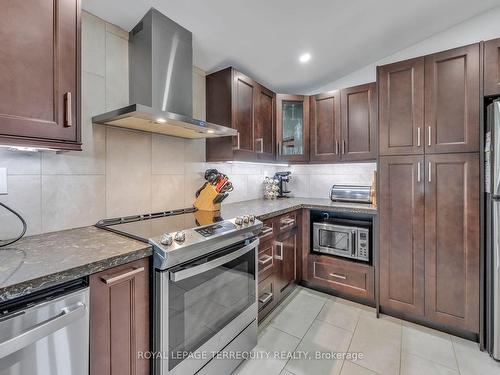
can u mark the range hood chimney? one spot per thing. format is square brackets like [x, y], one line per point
[161, 83]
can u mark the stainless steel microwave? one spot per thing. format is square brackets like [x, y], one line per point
[348, 241]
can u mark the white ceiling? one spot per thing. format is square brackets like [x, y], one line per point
[265, 38]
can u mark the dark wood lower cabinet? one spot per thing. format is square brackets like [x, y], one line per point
[285, 255]
[452, 231]
[401, 186]
[119, 319]
[344, 276]
[279, 250]
[429, 238]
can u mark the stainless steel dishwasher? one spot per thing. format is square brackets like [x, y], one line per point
[46, 333]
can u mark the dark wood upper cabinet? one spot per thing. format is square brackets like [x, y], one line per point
[325, 130]
[492, 67]
[452, 100]
[359, 122]
[119, 320]
[40, 74]
[292, 125]
[237, 101]
[401, 107]
[244, 108]
[452, 243]
[401, 186]
[265, 128]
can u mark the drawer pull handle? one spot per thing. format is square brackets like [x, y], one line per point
[265, 231]
[265, 259]
[266, 299]
[280, 256]
[113, 279]
[288, 222]
[338, 276]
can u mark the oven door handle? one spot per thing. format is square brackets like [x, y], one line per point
[196, 270]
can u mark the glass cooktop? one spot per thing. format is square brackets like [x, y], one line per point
[143, 227]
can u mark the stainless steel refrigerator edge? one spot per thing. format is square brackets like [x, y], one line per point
[492, 189]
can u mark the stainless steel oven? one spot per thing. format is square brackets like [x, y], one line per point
[345, 238]
[207, 306]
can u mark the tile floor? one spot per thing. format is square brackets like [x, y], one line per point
[310, 321]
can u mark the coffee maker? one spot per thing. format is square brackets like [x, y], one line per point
[283, 179]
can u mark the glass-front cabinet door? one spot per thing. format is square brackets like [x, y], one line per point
[292, 127]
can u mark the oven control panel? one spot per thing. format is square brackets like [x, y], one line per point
[215, 228]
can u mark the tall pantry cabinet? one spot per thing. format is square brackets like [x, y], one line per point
[429, 184]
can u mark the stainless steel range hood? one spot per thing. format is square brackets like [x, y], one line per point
[161, 83]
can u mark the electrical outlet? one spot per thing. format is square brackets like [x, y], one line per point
[3, 181]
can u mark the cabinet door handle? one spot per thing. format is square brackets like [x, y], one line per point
[336, 147]
[429, 134]
[113, 279]
[343, 146]
[265, 259]
[430, 172]
[342, 277]
[279, 148]
[418, 172]
[418, 136]
[261, 142]
[280, 256]
[68, 116]
[237, 142]
[266, 299]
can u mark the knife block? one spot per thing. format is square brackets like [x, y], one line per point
[205, 201]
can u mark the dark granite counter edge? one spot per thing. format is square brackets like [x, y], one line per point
[283, 211]
[61, 277]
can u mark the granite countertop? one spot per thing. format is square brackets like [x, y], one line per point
[45, 260]
[265, 209]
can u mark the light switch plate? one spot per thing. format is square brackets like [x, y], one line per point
[3, 181]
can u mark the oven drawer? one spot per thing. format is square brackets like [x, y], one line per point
[286, 222]
[265, 260]
[343, 276]
[267, 296]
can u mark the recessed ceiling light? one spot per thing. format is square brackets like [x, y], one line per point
[305, 57]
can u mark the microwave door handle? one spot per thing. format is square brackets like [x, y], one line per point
[353, 243]
[196, 270]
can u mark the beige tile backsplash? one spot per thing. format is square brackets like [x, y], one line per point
[122, 172]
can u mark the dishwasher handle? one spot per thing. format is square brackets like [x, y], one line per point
[67, 316]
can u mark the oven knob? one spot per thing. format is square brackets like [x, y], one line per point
[251, 218]
[238, 220]
[166, 239]
[180, 236]
[246, 219]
